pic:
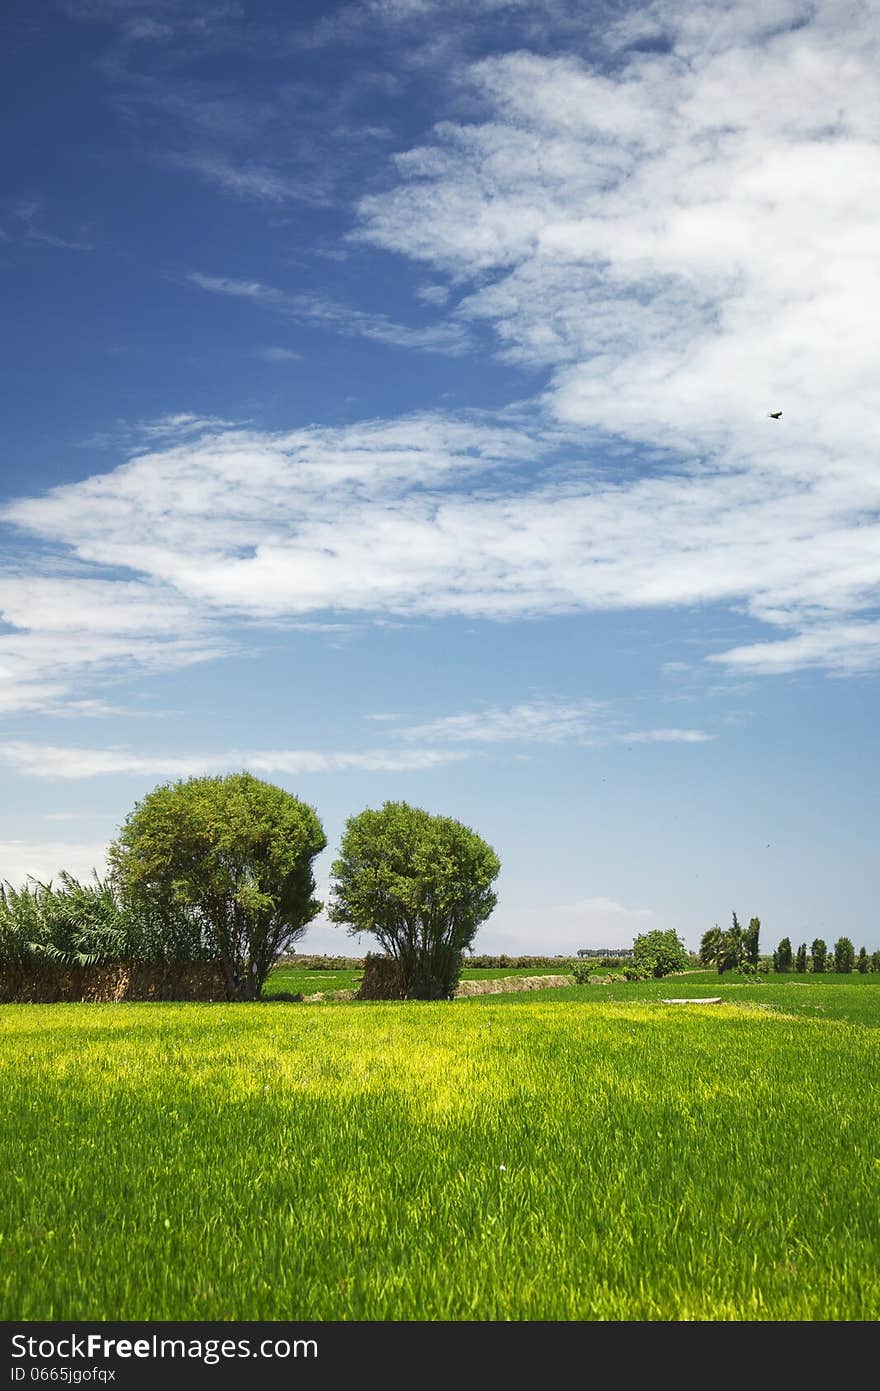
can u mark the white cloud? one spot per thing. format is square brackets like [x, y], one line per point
[70, 629]
[842, 648]
[427, 515]
[542, 722]
[687, 244]
[244, 179]
[433, 294]
[531, 722]
[25, 221]
[663, 736]
[601, 922]
[277, 355]
[605, 908]
[43, 860]
[57, 761]
[448, 338]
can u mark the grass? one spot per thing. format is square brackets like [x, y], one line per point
[585, 1154]
[299, 980]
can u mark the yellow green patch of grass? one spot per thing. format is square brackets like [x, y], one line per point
[517, 1157]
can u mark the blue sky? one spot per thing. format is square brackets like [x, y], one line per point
[387, 412]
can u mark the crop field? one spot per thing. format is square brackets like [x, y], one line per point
[298, 980]
[582, 1153]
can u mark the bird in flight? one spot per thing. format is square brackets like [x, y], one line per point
[774, 415]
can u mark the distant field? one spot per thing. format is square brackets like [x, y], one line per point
[295, 980]
[584, 1153]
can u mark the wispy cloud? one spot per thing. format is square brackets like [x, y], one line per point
[436, 515]
[21, 860]
[64, 762]
[448, 338]
[585, 722]
[74, 620]
[24, 220]
[249, 179]
[602, 922]
[165, 430]
[70, 629]
[842, 648]
[662, 736]
[533, 722]
[603, 907]
[277, 355]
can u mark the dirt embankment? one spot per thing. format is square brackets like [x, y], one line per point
[508, 983]
[111, 984]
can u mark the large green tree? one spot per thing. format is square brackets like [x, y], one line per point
[726, 949]
[235, 854]
[819, 955]
[711, 946]
[660, 953]
[800, 961]
[844, 955]
[782, 956]
[731, 948]
[421, 885]
[750, 942]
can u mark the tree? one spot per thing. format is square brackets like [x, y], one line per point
[750, 942]
[710, 946]
[660, 953]
[235, 854]
[782, 956]
[844, 955]
[863, 965]
[819, 953]
[875, 960]
[800, 961]
[421, 884]
[731, 954]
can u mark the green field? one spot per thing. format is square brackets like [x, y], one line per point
[299, 980]
[588, 1153]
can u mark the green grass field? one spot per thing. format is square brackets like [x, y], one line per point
[298, 980]
[588, 1153]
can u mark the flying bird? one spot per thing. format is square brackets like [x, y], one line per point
[774, 415]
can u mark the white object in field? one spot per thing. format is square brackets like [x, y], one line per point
[706, 1000]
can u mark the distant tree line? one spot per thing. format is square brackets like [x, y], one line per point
[818, 959]
[609, 953]
[736, 949]
[732, 949]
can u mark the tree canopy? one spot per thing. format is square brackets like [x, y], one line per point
[844, 955]
[660, 953]
[235, 854]
[421, 884]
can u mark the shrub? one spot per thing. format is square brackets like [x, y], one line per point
[581, 972]
[659, 953]
[636, 973]
[752, 972]
[76, 924]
